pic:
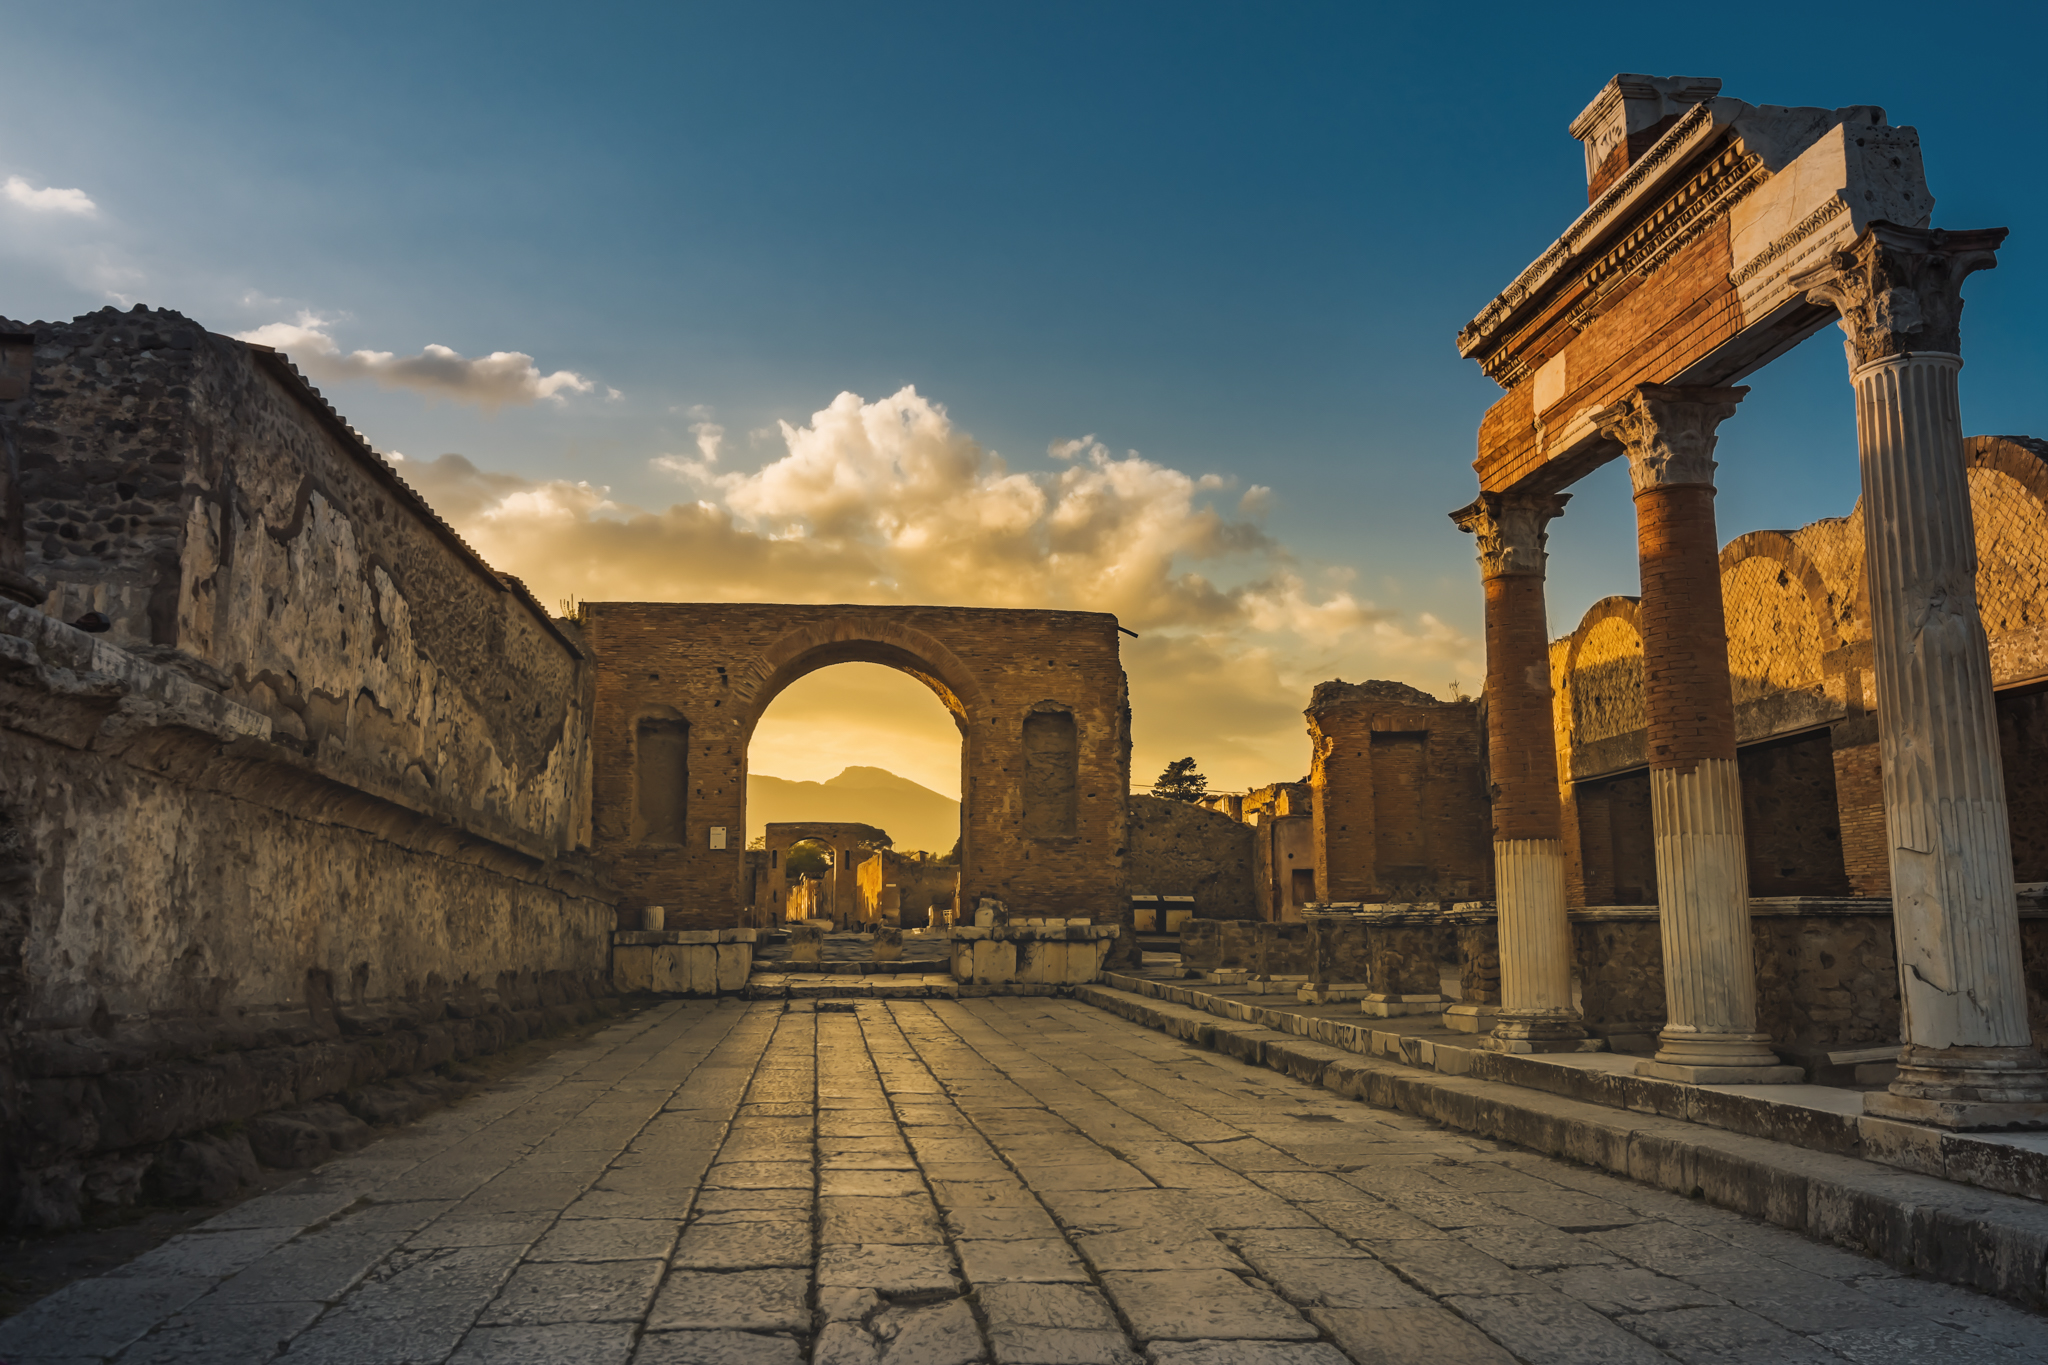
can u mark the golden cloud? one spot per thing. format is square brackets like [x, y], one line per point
[889, 502]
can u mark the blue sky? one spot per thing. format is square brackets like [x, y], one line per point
[1236, 239]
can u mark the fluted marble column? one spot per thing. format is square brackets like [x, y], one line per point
[1710, 1033]
[1968, 1061]
[1536, 1010]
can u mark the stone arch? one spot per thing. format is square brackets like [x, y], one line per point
[720, 665]
[1779, 619]
[862, 640]
[2009, 504]
[1604, 669]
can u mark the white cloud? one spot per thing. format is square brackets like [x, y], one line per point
[889, 502]
[48, 200]
[490, 381]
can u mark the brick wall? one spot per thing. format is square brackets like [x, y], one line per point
[718, 667]
[1384, 745]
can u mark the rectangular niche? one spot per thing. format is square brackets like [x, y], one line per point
[1400, 780]
[1052, 775]
[662, 773]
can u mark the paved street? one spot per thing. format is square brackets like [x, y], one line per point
[1017, 1180]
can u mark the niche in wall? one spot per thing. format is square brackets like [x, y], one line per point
[1052, 775]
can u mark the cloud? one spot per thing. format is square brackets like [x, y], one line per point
[490, 381]
[48, 200]
[888, 501]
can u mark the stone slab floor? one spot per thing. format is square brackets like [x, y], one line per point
[1010, 1180]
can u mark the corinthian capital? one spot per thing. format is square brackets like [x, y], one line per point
[1668, 431]
[1510, 530]
[1900, 289]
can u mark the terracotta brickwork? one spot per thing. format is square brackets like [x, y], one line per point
[1400, 804]
[1679, 270]
[1524, 777]
[1685, 650]
[717, 667]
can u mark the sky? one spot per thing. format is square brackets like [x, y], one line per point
[1136, 308]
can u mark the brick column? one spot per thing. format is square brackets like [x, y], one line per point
[1536, 1010]
[1710, 1032]
[1969, 1061]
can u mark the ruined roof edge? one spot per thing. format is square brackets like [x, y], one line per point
[280, 367]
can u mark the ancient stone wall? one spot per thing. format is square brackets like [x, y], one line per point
[210, 504]
[1039, 696]
[305, 813]
[1400, 808]
[1178, 849]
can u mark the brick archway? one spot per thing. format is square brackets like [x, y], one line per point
[1039, 696]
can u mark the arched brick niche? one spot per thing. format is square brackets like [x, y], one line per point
[1039, 696]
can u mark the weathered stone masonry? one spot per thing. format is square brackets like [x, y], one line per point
[306, 811]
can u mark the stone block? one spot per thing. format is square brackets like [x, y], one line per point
[887, 946]
[806, 943]
[633, 969]
[696, 936]
[738, 935]
[995, 963]
[735, 965]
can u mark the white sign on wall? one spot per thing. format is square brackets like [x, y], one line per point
[718, 836]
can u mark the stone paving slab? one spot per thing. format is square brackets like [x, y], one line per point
[996, 1180]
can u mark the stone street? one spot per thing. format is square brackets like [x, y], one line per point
[1016, 1180]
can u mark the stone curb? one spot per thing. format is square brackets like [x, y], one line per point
[1993, 1243]
[1965, 1158]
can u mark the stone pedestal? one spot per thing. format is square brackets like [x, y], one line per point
[1710, 1032]
[1968, 1060]
[1535, 1008]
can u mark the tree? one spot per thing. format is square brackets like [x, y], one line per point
[806, 859]
[1181, 781]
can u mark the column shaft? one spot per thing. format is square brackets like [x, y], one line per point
[1968, 1060]
[1955, 912]
[1536, 1010]
[1710, 1032]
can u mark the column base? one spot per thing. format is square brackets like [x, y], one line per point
[1557, 1030]
[1717, 1051]
[1966, 1088]
[1471, 1018]
[1383, 1006]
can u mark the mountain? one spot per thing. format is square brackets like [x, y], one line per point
[915, 816]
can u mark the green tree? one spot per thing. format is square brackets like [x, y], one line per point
[806, 860]
[1181, 781]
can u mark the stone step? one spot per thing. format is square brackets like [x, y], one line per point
[1994, 1243]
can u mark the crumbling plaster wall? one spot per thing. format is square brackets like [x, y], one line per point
[206, 500]
[1399, 795]
[308, 811]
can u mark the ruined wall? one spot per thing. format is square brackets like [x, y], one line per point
[1178, 849]
[1039, 696]
[305, 813]
[1805, 701]
[211, 505]
[1400, 808]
